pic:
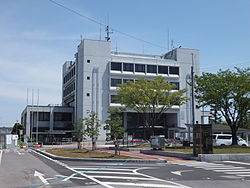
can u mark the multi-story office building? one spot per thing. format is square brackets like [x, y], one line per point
[47, 123]
[89, 82]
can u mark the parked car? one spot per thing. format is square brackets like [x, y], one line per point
[226, 140]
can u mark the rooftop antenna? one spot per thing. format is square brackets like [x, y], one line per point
[108, 32]
[100, 37]
[168, 38]
[172, 44]
[81, 38]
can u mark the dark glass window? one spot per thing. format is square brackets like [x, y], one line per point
[128, 67]
[115, 81]
[177, 85]
[88, 94]
[116, 66]
[88, 60]
[174, 70]
[162, 69]
[62, 116]
[151, 69]
[44, 116]
[113, 99]
[139, 68]
[127, 80]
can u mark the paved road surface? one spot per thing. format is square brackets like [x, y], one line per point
[26, 168]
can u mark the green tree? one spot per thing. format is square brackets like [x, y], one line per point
[92, 127]
[226, 92]
[150, 98]
[114, 126]
[17, 128]
[80, 133]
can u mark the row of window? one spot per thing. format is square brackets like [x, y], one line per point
[114, 101]
[115, 81]
[69, 75]
[58, 116]
[69, 89]
[141, 68]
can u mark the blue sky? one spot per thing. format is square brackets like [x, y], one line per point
[37, 37]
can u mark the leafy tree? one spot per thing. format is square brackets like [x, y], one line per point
[17, 128]
[80, 133]
[114, 126]
[151, 98]
[228, 93]
[92, 127]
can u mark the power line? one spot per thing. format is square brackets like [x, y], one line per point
[225, 65]
[101, 24]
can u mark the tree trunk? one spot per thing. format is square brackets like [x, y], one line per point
[116, 146]
[93, 144]
[234, 136]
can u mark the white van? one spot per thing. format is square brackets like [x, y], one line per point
[226, 140]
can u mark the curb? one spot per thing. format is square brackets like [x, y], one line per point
[224, 157]
[181, 155]
[101, 160]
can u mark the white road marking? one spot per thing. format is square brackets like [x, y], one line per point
[102, 172]
[40, 176]
[106, 169]
[1, 153]
[236, 162]
[142, 184]
[245, 175]
[179, 172]
[220, 168]
[233, 170]
[122, 177]
[238, 172]
[64, 165]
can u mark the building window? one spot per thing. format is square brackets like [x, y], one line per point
[88, 60]
[128, 67]
[127, 80]
[151, 69]
[88, 94]
[139, 68]
[115, 82]
[174, 70]
[62, 116]
[116, 66]
[113, 99]
[162, 69]
[177, 85]
[88, 78]
[43, 116]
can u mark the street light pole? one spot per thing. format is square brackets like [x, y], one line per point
[192, 91]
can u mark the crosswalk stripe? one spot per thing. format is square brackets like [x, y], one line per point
[119, 177]
[220, 168]
[245, 175]
[240, 172]
[144, 185]
[106, 169]
[237, 162]
[232, 170]
[102, 172]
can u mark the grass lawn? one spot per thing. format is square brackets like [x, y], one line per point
[216, 150]
[84, 153]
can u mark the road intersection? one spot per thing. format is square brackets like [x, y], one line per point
[28, 168]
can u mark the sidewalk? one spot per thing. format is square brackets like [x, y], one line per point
[137, 154]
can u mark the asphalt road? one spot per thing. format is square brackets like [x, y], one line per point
[26, 168]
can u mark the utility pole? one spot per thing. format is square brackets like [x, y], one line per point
[37, 116]
[192, 91]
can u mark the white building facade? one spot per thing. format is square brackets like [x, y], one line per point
[89, 83]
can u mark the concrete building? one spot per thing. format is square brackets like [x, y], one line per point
[89, 82]
[49, 123]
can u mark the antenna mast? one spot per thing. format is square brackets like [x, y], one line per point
[108, 32]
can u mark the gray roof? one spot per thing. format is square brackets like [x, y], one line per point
[226, 128]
